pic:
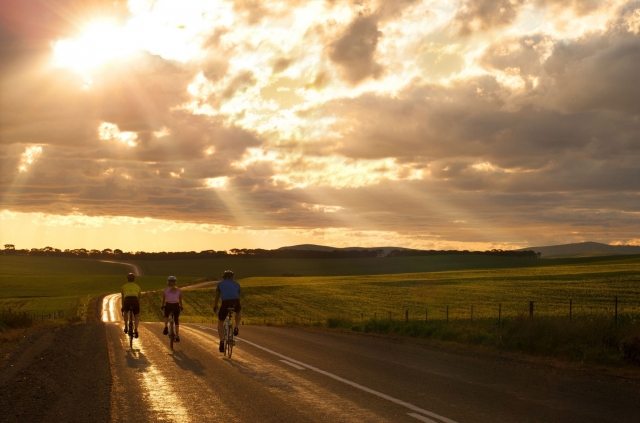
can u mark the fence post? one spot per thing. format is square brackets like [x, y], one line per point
[570, 308]
[499, 313]
[406, 316]
[531, 309]
[616, 317]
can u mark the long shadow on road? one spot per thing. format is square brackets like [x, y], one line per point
[187, 363]
[136, 360]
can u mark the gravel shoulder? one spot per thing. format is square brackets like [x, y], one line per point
[58, 374]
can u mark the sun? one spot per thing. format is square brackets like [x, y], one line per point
[101, 41]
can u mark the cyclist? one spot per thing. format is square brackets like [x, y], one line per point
[229, 290]
[172, 302]
[130, 296]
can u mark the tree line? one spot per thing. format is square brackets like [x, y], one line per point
[108, 253]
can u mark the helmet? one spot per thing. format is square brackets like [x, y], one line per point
[131, 277]
[171, 279]
[227, 274]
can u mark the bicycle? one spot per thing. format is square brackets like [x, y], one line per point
[229, 342]
[172, 330]
[130, 327]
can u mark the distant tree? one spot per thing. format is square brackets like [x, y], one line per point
[538, 254]
[9, 247]
[107, 251]
[117, 251]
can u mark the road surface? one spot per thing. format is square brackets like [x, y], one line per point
[135, 269]
[295, 375]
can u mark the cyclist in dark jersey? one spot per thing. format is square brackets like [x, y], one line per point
[130, 295]
[229, 290]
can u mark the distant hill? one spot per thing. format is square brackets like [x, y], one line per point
[314, 247]
[584, 249]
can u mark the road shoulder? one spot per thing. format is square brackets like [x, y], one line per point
[61, 374]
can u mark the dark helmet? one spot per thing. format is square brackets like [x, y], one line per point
[131, 277]
[172, 279]
[227, 274]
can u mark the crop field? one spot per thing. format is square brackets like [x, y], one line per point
[245, 267]
[41, 285]
[462, 306]
[592, 289]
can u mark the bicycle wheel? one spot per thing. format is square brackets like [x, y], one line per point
[130, 330]
[172, 334]
[229, 346]
[229, 340]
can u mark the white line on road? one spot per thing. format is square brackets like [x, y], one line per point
[293, 365]
[421, 418]
[348, 382]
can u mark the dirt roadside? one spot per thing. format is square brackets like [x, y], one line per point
[58, 373]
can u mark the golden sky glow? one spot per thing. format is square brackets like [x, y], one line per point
[428, 124]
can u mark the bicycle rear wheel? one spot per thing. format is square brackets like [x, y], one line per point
[229, 347]
[229, 340]
[172, 334]
[130, 330]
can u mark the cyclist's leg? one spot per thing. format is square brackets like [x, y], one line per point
[136, 315]
[126, 320]
[221, 329]
[166, 321]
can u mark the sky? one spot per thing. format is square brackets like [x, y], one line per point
[172, 125]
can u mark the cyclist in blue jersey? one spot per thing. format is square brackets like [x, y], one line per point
[229, 290]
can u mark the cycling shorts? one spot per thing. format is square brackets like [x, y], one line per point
[224, 308]
[172, 307]
[131, 302]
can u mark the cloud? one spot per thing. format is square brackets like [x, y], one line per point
[354, 51]
[330, 118]
[484, 15]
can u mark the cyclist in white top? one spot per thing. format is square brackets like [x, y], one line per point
[172, 302]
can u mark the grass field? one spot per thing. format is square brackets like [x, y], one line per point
[42, 285]
[591, 287]
[249, 267]
[364, 299]
[379, 303]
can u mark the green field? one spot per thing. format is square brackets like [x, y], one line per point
[592, 287]
[41, 285]
[444, 291]
[248, 267]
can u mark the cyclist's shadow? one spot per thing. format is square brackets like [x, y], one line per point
[136, 359]
[187, 363]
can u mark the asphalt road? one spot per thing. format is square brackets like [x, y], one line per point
[296, 375]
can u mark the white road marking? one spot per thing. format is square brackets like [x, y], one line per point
[293, 365]
[350, 383]
[421, 418]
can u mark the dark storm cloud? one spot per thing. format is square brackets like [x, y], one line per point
[354, 51]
